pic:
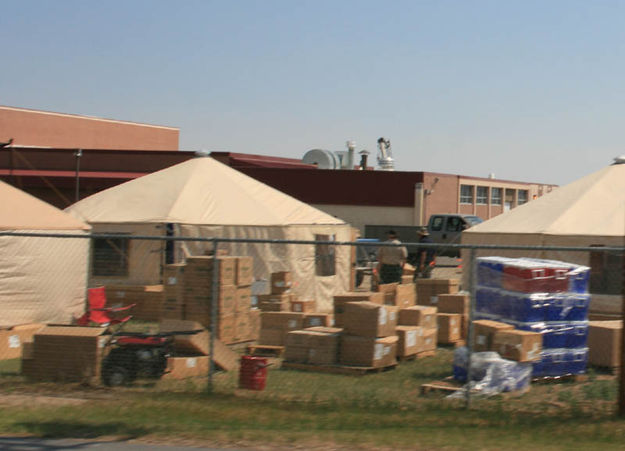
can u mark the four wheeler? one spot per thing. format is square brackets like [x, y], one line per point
[135, 355]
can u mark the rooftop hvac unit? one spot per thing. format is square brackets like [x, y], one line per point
[324, 159]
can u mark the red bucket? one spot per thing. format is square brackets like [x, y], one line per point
[253, 373]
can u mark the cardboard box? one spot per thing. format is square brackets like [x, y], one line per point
[173, 282]
[254, 316]
[196, 344]
[324, 346]
[202, 304]
[243, 301]
[281, 282]
[275, 302]
[366, 319]
[199, 344]
[12, 339]
[148, 300]
[454, 303]
[604, 343]
[430, 338]
[244, 272]
[518, 345]
[428, 290]
[294, 353]
[281, 320]
[410, 340]
[303, 306]
[172, 308]
[364, 296]
[405, 295]
[242, 326]
[483, 333]
[389, 290]
[68, 354]
[368, 352]
[448, 327]
[316, 319]
[201, 268]
[272, 337]
[407, 279]
[408, 270]
[185, 367]
[418, 315]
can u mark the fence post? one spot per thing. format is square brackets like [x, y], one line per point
[621, 391]
[214, 312]
[472, 291]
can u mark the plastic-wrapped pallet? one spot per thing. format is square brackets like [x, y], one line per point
[490, 374]
[545, 296]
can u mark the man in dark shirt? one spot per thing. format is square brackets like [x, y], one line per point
[425, 256]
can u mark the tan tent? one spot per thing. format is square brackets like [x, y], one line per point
[588, 212]
[41, 279]
[204, 198]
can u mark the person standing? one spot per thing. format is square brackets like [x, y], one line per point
[392, 259]
[425, 255]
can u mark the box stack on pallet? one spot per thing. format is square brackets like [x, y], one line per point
[282, 312]
[369, 338]
[452, 307]
[417, 331]
[546, 303]
[236, 320]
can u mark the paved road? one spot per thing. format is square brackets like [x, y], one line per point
[38, 444]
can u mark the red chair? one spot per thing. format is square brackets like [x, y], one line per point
[97, 311]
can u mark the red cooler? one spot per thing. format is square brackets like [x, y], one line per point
[253, 373]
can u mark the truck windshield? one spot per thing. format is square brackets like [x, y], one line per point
[473, 220]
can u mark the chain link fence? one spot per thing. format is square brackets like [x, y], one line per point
[305, 319]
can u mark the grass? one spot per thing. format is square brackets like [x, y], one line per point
[312, 410]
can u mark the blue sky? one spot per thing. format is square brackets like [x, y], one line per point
[527, 90]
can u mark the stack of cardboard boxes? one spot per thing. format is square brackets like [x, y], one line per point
[340, 301]
[281, 296]
[417, 330]
[429, 290]
[369, 338]
[236, 320]
[510, 343]
[453, 317]
[314, 345]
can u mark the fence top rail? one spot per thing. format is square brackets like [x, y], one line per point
[313, 242]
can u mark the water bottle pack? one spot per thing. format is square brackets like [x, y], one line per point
[545, 296]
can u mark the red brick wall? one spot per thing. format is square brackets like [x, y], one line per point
[39, 128]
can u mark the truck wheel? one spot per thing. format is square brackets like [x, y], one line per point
[115, 376]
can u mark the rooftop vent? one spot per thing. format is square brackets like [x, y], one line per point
[619, 160]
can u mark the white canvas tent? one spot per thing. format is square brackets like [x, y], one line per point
[204, 198]
[588, 212]
[42, 279]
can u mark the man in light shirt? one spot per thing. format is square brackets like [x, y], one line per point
[392, 259]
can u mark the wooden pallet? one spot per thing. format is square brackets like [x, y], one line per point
[337, 369]
[265, 350]
[447, 385]
[560, 379]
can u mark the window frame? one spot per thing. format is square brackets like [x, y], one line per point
[493, 199]
[518, 196]
[102, 262]
[481, 200]
[464, 196]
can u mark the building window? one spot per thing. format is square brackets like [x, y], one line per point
[466, 194]
[110, 256]
[521, 196]
[481, 195]
[325, 256]
[495, 196]
[606, 272]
